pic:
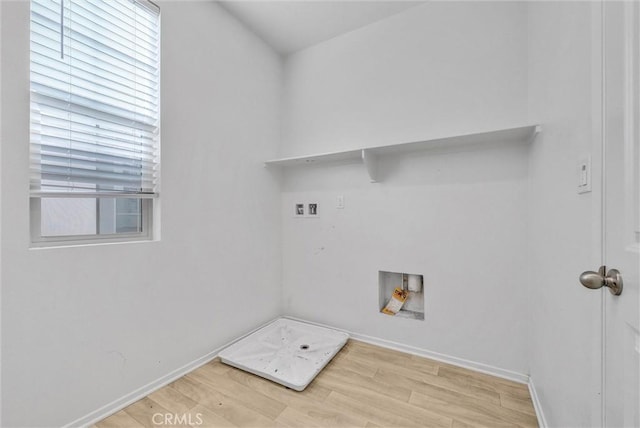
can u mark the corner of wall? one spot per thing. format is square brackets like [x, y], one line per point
[537, 404]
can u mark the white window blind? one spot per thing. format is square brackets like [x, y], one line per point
[94, 98]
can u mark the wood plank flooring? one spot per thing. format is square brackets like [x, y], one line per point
[364, 386]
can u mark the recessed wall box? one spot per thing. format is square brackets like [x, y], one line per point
[413, 307]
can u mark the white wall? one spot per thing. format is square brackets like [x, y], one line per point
[80, 325]
[84, 326]
[457, 216]
[437, 69]
[564, 345]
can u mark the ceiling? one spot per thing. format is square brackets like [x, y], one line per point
[289, 26]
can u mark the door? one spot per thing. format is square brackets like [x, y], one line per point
[621, 212]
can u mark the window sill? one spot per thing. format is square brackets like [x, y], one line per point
[47, 245]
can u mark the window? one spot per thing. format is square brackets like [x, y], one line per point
[94, 119]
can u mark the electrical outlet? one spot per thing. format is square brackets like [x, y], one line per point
[340, 202]
[313, 209]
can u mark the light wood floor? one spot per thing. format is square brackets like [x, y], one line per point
[364, 386]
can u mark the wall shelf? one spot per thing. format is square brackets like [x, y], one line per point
[369, 156]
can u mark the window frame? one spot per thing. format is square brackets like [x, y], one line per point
[149, 203]
[148, 208]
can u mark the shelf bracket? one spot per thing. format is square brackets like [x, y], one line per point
[536, 130]
[370, 160]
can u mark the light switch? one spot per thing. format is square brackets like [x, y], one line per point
[584, 174]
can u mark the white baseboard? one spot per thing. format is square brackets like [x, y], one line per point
[467, 364]
[121, 403]
[542, 421]
[142, 392]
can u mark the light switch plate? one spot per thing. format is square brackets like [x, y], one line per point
[584, 174]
